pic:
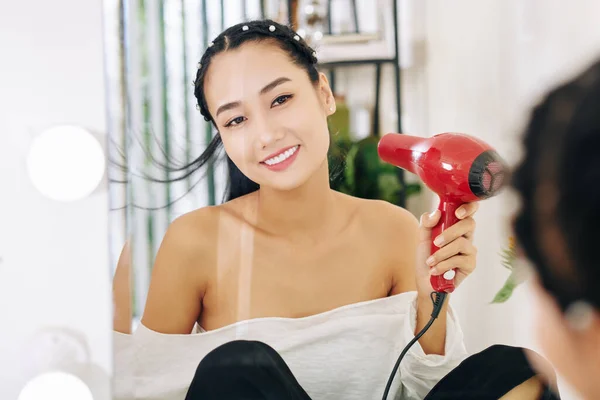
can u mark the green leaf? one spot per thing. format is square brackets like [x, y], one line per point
[507, 290]
[504, 294]
[411, 189]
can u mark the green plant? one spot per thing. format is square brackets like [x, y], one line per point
[516, 277]
[366, 176]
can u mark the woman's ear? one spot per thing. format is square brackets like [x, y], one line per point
[326, 95]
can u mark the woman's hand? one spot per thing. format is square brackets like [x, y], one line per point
[456, 249]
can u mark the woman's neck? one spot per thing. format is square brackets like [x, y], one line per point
[304, 212]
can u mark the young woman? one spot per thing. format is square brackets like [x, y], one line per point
[287, 268]
[558, 185]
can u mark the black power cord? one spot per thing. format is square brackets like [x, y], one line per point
[438, 302]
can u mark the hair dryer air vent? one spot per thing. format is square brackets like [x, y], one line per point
[486, 176]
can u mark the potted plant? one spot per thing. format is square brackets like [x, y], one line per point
[356, 168]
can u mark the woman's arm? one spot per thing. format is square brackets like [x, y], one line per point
[178, 281]
[122, 312]
[412, 268]
[404, 279]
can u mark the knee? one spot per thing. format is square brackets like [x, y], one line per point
[531, 389]
[542, 373]
[543, 369]
[239, 353]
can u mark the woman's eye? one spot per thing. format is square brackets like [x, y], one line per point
[235, 121]
[277, 102]
[281, 100]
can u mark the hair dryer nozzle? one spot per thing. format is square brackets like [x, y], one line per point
[453, 165]
[401, 150]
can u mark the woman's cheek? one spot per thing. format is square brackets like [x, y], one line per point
[239, 151]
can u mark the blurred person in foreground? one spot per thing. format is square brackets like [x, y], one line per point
[558, 182]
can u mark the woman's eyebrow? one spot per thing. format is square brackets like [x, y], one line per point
[266, 89]
[274, 84]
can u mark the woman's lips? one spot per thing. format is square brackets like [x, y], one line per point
[282, 159]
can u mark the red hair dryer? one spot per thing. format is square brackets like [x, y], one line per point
[458, 167]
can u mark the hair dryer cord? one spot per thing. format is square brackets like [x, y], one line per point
[438, 302]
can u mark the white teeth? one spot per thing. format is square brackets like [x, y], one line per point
[281, 157]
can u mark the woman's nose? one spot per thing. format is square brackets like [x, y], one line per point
[268, 133]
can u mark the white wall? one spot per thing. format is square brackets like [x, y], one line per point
[486, 63]
[477, 66]
[54, 269]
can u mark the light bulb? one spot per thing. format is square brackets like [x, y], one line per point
[56, 386]
[66, 163]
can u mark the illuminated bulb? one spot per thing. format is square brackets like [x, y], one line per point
[56, 386]
[66, 163]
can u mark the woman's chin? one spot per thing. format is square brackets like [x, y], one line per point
[283, 186]
[284, 182]
[287, 179]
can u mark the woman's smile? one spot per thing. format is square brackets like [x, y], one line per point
[282, 159]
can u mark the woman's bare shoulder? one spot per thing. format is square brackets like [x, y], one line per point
[183, 268]
[394, 234]
[200, 228]
[392, 229]
[385, 219]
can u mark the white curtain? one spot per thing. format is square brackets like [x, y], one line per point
[152, 51]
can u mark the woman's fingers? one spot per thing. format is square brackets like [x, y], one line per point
[427, 222]
[462, 264]
[465, 227]
[467, 210]
[460, 246]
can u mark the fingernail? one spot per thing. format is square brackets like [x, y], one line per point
[438, 241]
[461, 213]
[434, 271]
[430, 261]
[432, 215]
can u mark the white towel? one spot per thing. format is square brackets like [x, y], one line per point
[346, 353]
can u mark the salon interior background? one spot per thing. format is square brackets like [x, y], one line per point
[467, 65]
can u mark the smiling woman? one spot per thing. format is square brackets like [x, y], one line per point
[255, 91]
[260, 119]
[290, 289]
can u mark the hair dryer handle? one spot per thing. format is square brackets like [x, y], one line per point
[447, 219]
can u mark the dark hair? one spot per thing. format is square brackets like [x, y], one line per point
[254, 31]
[561, 144]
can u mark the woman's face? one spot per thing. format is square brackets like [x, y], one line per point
[271, 117]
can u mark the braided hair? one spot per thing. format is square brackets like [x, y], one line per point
[561, 146]
[254, 31]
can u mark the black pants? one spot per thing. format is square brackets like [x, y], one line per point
[250, 370]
